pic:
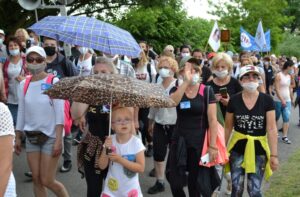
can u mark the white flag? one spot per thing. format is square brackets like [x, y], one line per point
[260, 38]
[214, 38]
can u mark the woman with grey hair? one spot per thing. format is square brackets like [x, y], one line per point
[94, 122]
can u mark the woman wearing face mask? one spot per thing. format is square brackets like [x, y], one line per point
[195, 113]
[284, 96]
[162, 122]
[84, 62]
[253, 143]
[14, 71]
[94, 122]
[221, 68]
[42, 120]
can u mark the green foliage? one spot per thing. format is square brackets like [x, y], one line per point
[247, 13]
[293, 10]
[290, 45]
[161, 26]
[13, 16]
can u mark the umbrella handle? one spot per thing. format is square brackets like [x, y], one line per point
[110, 112]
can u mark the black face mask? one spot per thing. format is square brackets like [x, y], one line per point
[200, 61]
[50, 51]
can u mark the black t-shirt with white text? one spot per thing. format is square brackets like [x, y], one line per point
[250, 122]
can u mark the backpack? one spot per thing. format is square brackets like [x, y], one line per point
[149, 72]
[67, 115]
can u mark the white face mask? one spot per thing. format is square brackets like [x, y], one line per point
[83, 50]
[14, 52]
[185, 54]
[250, 86]
[164, 72]
[196, 79]
[266, 63]
[221, 74]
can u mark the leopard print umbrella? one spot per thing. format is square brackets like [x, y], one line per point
[101, 88]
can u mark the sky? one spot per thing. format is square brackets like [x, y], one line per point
[197, 8]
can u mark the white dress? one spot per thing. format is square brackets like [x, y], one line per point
[121, 182]
[7, 128]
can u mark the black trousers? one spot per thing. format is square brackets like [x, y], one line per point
[144, 124]
[94, 181]
[192, 167]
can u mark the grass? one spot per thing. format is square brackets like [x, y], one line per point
[286, 181]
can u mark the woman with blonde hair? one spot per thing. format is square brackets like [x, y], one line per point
[23, 36]
[145, 70]
[162, 122]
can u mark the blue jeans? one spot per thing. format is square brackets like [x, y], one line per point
[14, 112]
[284, 111]
[254, 180]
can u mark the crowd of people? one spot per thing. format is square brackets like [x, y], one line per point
[249, 91]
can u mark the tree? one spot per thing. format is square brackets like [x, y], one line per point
[13, 16]
[293, 10]
[247, 13]
[290, 45]
[161, 26]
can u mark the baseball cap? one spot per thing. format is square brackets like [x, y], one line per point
[248, 69]
[36, 49]
[2, 32]
[188, 59]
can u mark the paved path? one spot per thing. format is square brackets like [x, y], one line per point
[77, 187]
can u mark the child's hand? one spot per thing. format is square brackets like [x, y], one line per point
[108, 142]
[115, 157]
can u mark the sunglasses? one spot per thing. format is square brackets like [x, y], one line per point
[37, 60]
[248, 76]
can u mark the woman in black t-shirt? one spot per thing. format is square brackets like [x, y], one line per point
[251, 114]
[223, 84]
[194, 116]
[94, 121]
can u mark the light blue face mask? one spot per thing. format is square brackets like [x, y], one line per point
[291, 71]
[196, 79]
[1, 41]
[14, 52]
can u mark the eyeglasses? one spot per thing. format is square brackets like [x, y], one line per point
[248, 76]
[37, 60]
[122, 122]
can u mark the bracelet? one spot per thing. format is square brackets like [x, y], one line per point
[214, 148]
[274, 156]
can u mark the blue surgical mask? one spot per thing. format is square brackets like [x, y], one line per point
[14, 52]
[1, 41]
[291, 71]
[196, 79]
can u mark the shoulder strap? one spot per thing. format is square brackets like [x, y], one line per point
[27, 82]
[50, 78]
[76, 61]
[201, 89]
[93, 60]
[149, 71]
[64, 67]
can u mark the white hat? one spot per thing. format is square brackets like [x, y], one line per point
[36, 49]
[249, 69]
[2, 32]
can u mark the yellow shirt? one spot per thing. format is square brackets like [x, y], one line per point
[249, 155]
